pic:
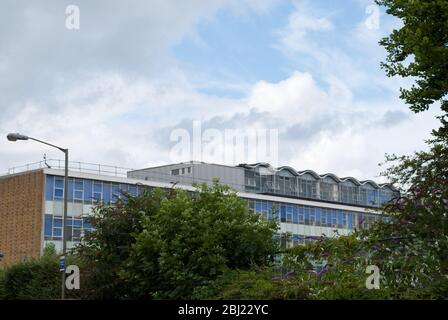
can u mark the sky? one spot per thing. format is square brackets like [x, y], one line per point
[115, 90]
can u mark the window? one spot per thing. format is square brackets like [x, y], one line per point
[48, 230]
[289, 214]
[175, 172]
[295, 215]
[301, 214]
[79, 190]
[282, 213]
[49, 188]
[97, 191]
[189, 170]
[58, 187]
[307, 215]
[323, 217]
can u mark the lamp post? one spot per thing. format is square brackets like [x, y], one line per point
[16, 136]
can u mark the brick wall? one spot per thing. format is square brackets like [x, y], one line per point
[21, 205]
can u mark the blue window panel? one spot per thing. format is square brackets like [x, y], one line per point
[312, 215]
[97, 187]
[58, 193]
[307, 214]
[133, 190]
[289, 213]
[317, 212]
[282, 213]
[88, 186]
[106, 191]
[124, 187]
[372, 197]
[264, 206]
[69, 222]
[329, 217]
[323, 217]
[86, 224]
[77, 223]
[70, 189]
[79, 185]
[350, 220]
[334, 219]
[258, 206]
[115, 192]
[78, 195]
[340, 217]
[301, 214]
[59, 183]
[48, 225]
[57, 232]
[295, 215]
[57, 222]
[97, 196]
[49, 185]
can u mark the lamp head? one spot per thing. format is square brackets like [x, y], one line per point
[16, 136]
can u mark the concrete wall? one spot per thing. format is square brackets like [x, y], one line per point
[21, 204]
[200, 172]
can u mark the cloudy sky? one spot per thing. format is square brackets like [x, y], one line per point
[114, 90]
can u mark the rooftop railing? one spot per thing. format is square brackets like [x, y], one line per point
[94, 168]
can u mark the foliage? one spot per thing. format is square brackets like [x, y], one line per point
[173, 244]
[419, 49]
[36, 279]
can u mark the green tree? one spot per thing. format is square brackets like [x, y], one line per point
[174, 244]
[419, 49]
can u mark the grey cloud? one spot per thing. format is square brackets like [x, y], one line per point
[392, 118]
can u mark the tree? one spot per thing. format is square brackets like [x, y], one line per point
[174, 244]
[419, 49]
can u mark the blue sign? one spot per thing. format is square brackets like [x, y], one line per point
[62, 264]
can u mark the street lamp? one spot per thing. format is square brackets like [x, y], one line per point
[16, 136]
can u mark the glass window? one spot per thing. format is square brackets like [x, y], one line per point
[264, 206]
[88, 186]
[258, 206]
[318, 219]
[48, 225]
[86, 224]
[295, 215]
[133, 190]
[115, 192]
[289, 214]
[351, 220]
[57, 221]
[57, 232]
[301, 214]
[282, 213]
[49, 186]
[340, 219]
[77, 223]
[106, 192]
[323, 217]
[58, 187]
[312, 216]
[307, 215]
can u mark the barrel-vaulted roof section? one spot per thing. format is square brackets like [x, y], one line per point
[317, 176]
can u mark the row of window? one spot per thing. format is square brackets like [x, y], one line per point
[76, 227]
[181, 171]
[307, 215]
[87, 191]
[308, 187]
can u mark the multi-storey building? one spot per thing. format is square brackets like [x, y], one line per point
[307, 204]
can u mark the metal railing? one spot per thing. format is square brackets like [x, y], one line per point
[94, 168]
